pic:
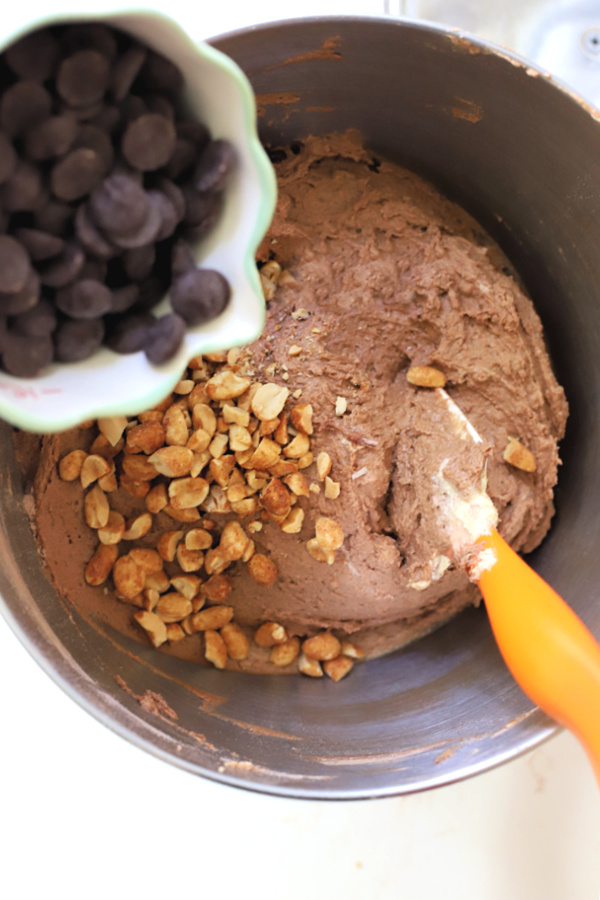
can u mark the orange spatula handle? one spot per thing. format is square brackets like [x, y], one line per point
[549, 651]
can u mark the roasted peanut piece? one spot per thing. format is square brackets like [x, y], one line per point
[188, 585]
[323, 465]
[322, 646]
[266, 454]
[69, 468]
[319, 553]
[137, 467]
[263, 570]
[147, 559]
[292, 524]
[519, 456]
[167, 544]
[112, 427]
[100, 565]
[341, 405]
[276, 498]
[186, 493]
[175, 425]
[156, 498]
[128, 577]
[332, 488]
[198, 539]
[215, 649]
[426, 376]
[226, 385]
[96, 508]
[285, 653]
[92, 468]
[309, 666]
[217, 589]
[234, 541]
[269, 634]
[153, 625]
[351, 650]
[213, 617]
[328, 533]
[112, 532]
[138, 527]
[173, 462]
[175, 633]
[338, 668]
[173, 607]
[268, 401]
[301, 417]
[236, 642]
[189, 560]
[148, 437]
[297, 447]
[297, 484]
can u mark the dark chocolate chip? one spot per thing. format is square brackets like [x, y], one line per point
[156, 103]
[54, 217]
[182, 159]
[78, 173]
[90, 36]
[21, 301]
[126, 70]
[164, 338]
[84, 299]
[90, 237]
[8, 158]
[65, 268]
[200, 295]
[215, 165]
[201, 210]
[151, 291]
[139, 261]
[36, 322]
[145, 234]
[84, 113]
[194, 131]
[119, 205]
[182, 259]
[124, 298]
[22, 105]
[39, 244]
[148, 142]
[77, 339]
[160, 74]
[94, 138]
[131, 108]
[174, 194]
[22, 192]
[25, 356]
[35, 56]
[107, 118]
[50, 138]
[82, 79]
[94, 268]
[168, 215]
[14, 265]
[130, 334]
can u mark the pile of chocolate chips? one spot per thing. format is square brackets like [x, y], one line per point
[104, 181]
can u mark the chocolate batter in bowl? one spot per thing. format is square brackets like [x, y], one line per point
[520, 154]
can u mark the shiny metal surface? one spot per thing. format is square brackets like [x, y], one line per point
[524, 157]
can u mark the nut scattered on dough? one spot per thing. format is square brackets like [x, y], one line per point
[519, 456]
[426, 376]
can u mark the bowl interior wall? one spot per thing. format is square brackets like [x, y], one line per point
[524, 158]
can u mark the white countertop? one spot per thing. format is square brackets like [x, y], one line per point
[85, 815]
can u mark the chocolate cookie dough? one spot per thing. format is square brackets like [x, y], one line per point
[373, 276]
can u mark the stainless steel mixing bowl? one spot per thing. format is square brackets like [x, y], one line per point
[523, 155]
